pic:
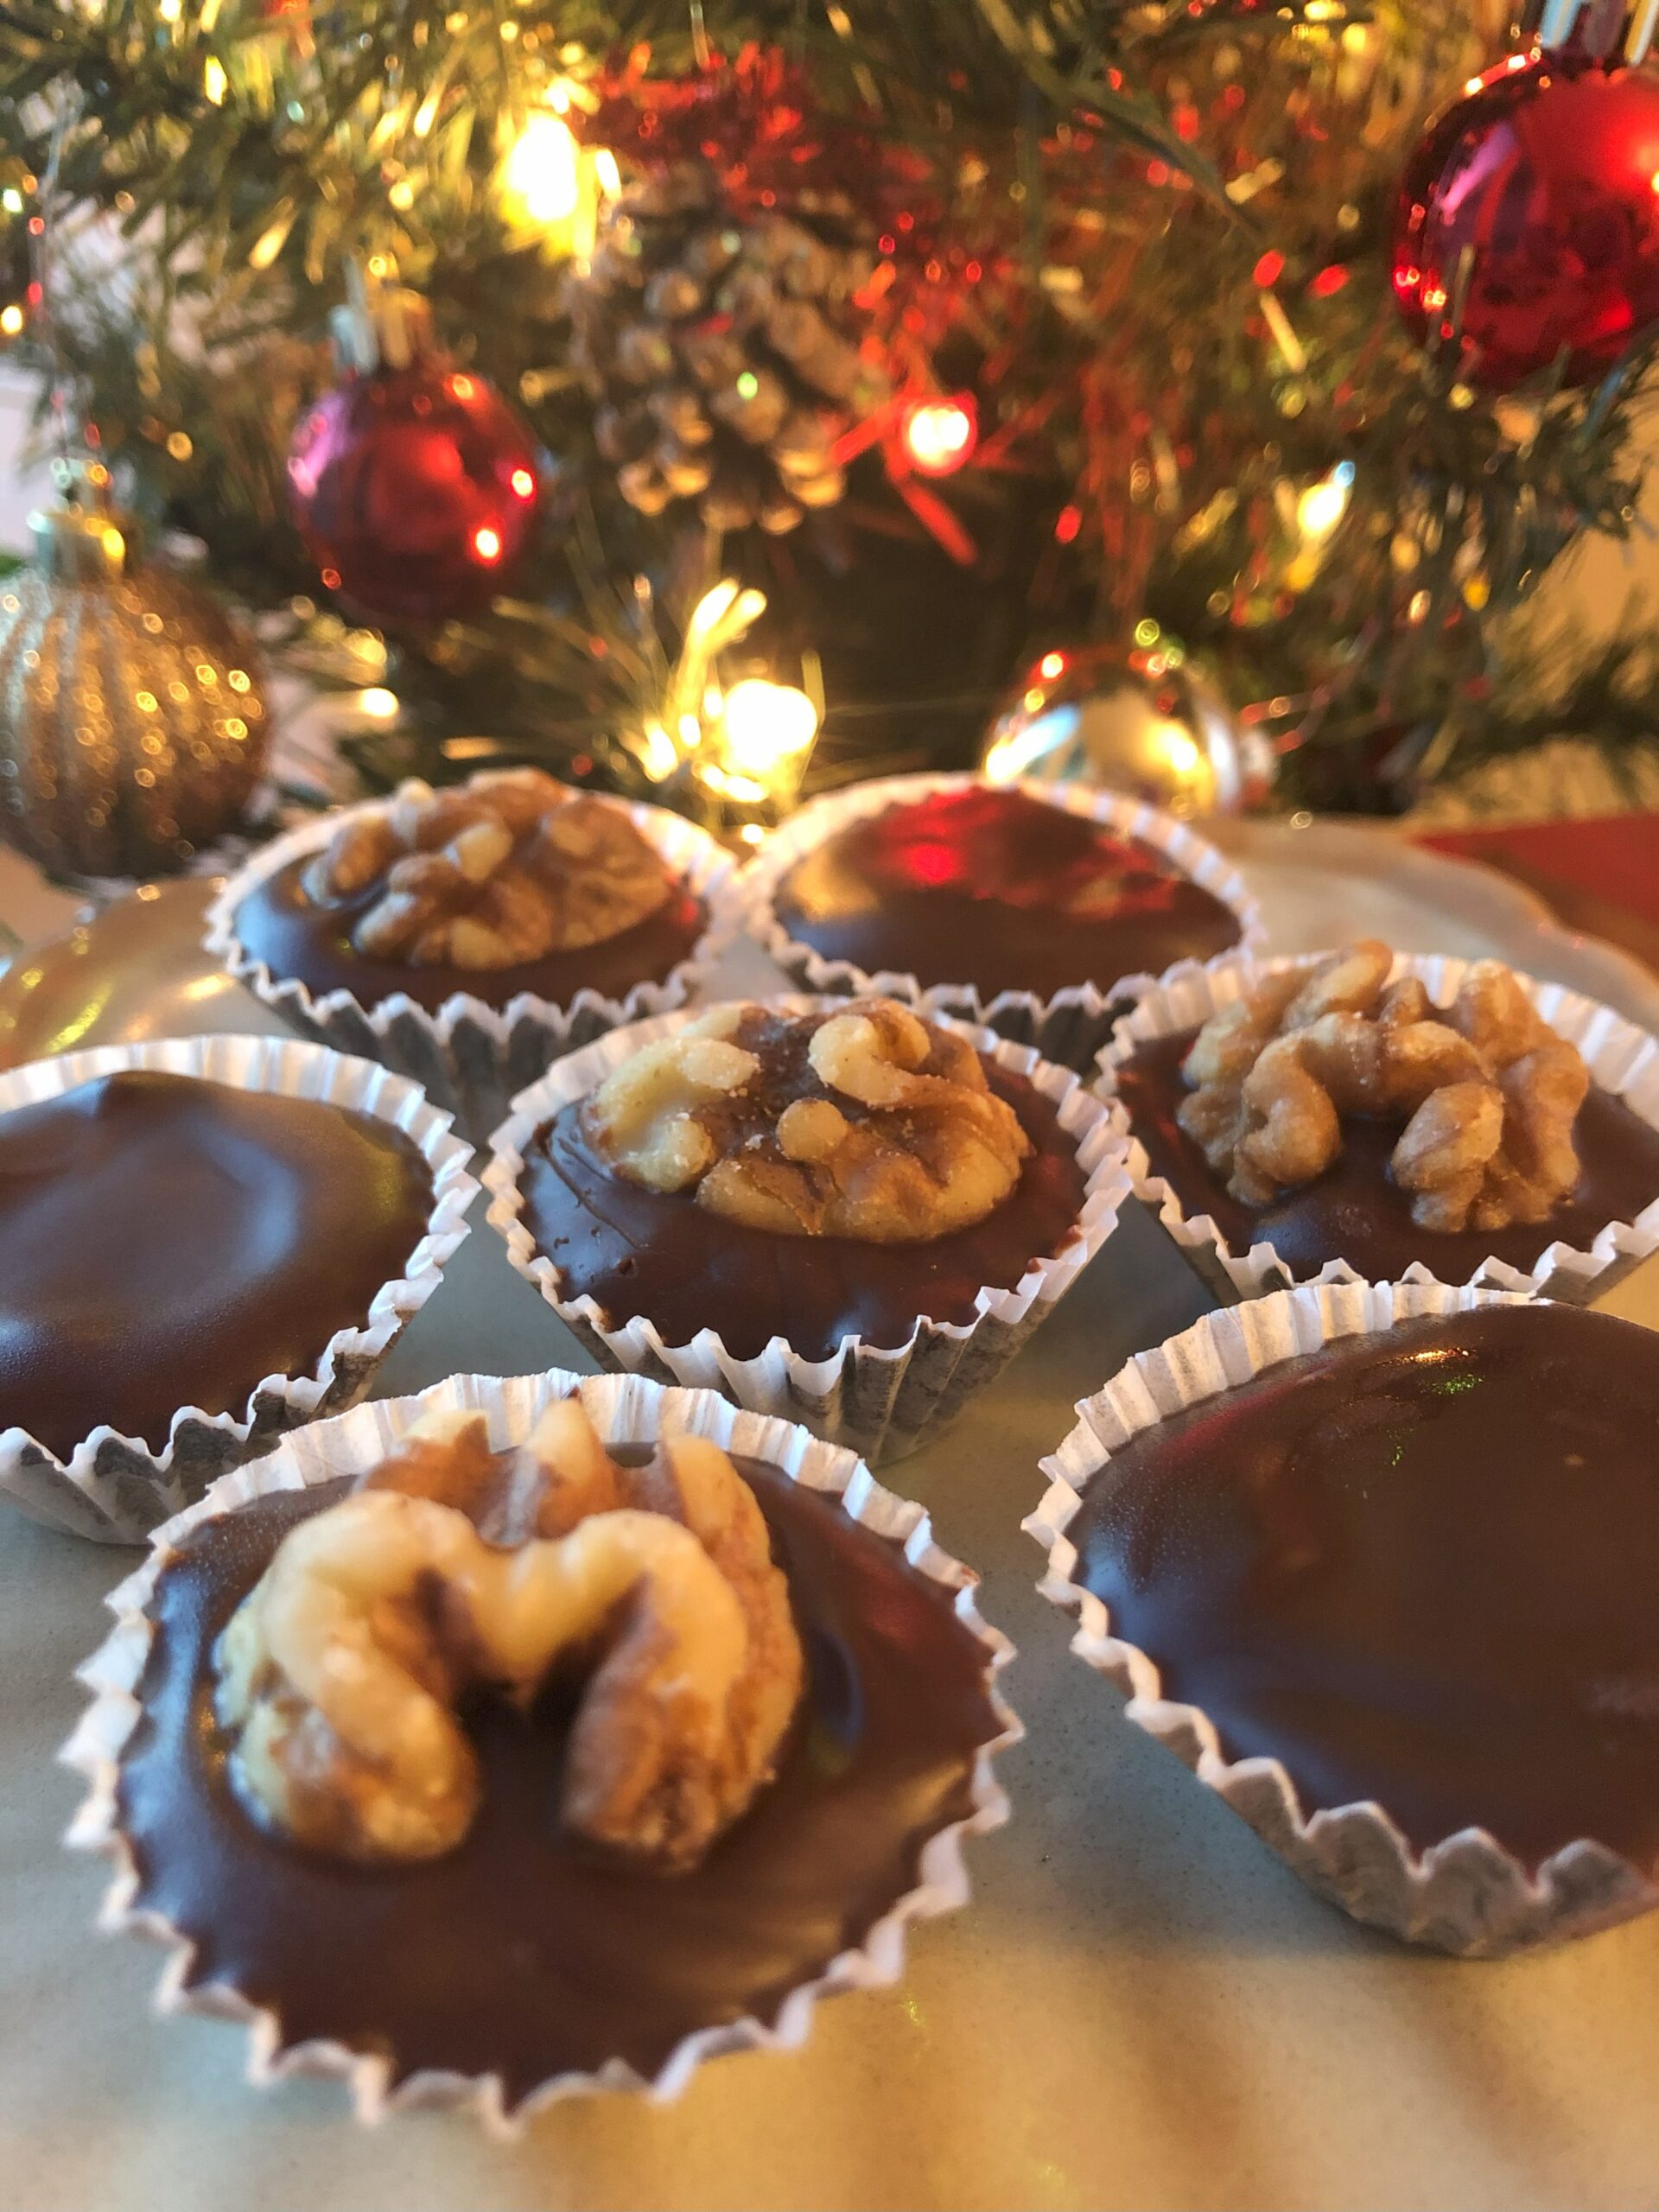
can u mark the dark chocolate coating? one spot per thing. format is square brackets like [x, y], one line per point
[525, 1951]
[1355, 1211]
[1417, 1567]
[302, 942]
[166, 1242]
[661, 1256]
[971, 887]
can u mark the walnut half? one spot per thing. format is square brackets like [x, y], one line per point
[1487, 1092]
[509, 867]
[866, 1122]
[455, 1569]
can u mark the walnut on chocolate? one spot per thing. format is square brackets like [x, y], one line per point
[865, 1123]
[453, 1568]
[1487, 1092]
[508, 867]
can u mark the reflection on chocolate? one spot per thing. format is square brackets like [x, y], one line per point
[523, 1952]
[1417, 1567]
[983, 886]
[661, 1256]
[166, 1242]
[302, 942]
[1354, 1212]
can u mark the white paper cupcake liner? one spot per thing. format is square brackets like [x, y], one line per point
[470, 1057]
[114, 1488]
[1466, 1895]
[877, 1402]
[625, 1410]
[1068, 1028]
[1621, 1060]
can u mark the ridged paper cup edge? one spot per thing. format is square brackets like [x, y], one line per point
[117, 1503]
[1029, 1017]
[830, 1395]
[1466, 1895]
[700, 861]
[625, 1409]
[1621, 1060]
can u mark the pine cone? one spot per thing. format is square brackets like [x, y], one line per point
[723, 349]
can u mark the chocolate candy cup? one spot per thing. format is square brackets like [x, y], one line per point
[115, 1488]
[1623, 1063]
[1067, 1026]
[877, 1398]
[468, 1053]
[1465, 1892]
[381, 2076]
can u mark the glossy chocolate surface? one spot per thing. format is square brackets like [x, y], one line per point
[301, 941]
[972, 886]
[661, 1256]
[166, 1242]
[1354, 1212]
[526, 1952]
[1418, 1567]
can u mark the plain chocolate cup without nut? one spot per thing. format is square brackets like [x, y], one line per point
[1376, 1681]
[115, 1487]
[1069, 1025]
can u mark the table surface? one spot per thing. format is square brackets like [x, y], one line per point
[1140, 2005]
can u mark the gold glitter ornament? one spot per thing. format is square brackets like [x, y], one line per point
[132, 728]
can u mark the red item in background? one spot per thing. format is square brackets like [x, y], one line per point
[414, 490]
[1546, 170]
[1600, 876]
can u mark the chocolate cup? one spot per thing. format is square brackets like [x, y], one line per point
[1068, 1026]
[1465, 1893]
[467, 1052]
[629, 1413]
[880, 1399]
[1623, 1063]
[115, 1488]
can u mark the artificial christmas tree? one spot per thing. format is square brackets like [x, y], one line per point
[963, 331]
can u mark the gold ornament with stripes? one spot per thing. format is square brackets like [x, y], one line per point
[132, 729]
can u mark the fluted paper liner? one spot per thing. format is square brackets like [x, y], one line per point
[471, 1057]
[878, 1402]
[625, 1410]
[1621, 1058]
[1068, 1028]
[1467, 1894]
[114, 1488]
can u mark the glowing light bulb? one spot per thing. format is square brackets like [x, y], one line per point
[377, 703]
[768, 727]
[11, 319]
[523, 482]
[540, 181]
[940, 435]
[1050, 666]
[487, 544]
[1322, 505]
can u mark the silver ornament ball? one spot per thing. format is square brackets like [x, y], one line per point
[1143, 721]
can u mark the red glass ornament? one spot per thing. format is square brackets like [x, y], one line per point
[1548, 168]
[415, 489]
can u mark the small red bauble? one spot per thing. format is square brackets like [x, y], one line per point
[415, 489]
[1547, 166]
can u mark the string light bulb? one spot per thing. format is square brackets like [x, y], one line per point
[940, 435]
[540, 179]
[1322, 505]
[769, 728]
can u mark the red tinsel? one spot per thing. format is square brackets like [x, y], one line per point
[758, 123]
